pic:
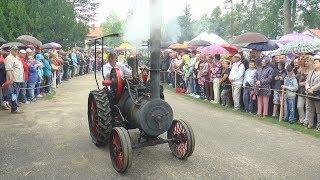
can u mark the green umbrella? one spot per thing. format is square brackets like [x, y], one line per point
[300, 47]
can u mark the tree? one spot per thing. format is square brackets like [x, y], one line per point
[310, 16]
[85, 10]
[112, 25]
[185, 22]
[50, 20]
[289, 14]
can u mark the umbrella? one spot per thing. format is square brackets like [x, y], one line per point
[232, 49]
[250, 37]
[300, 47]
[26, 39]
[51, 46]
[177, 46]
[125, 46]
[263, 46]
[8, 45]
[56, 45]
[78, 48]
[214, 49]
[2, 40]
[294, 37]
[198, 42]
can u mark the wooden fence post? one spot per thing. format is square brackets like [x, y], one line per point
[281, 105]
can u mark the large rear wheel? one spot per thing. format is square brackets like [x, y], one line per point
[184, 141]
[120, 149]
[99, 117]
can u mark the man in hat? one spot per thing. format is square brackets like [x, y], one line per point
[236, 79]
[14, 69]
[112, 62]
[23, 94]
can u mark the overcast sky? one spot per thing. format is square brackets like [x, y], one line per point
[171, 8]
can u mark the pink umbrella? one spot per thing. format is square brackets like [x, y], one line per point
[214, 49]
[294, 37]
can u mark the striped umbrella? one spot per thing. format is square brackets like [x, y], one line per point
[300, 47]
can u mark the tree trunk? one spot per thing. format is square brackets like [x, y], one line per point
[293, 13]
[287, 17]
[232, 19]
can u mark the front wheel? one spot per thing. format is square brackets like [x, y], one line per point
[183, 144]
[120, 149]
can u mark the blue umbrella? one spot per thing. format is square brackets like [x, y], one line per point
[263, 46]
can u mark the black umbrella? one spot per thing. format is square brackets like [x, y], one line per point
[27, 40]
[263, 46]
[8, 45]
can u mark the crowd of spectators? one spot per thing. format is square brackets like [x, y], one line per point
[28, 74]
[253, 83]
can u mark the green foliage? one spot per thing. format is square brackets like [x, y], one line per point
[113, 25]
[49, 20]
[185, 22]
[243, 16]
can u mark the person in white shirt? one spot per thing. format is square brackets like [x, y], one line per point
[236, 79]
[112, 62]
[248, 85]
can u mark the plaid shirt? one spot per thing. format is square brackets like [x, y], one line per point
[215, 70]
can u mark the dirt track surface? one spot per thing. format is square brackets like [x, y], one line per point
[51, 139]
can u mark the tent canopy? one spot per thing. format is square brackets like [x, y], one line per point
[211, 38]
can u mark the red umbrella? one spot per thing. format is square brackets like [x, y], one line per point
[214, 49]
[232, 49]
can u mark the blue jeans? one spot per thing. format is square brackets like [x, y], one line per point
[14, 90]
[23, 94]
[191, 85]
[31, 89]
[48, 81]
[289, 110]
[247, 100]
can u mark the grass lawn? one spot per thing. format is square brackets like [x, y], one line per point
[295, 127]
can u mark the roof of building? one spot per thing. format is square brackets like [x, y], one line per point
[316, 32]
[94, 32]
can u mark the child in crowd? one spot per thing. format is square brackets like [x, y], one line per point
[39, 58]
[279, 75]
[248, 84]
[290, 86]
[47, 73]
[33, 77]
[225, 83]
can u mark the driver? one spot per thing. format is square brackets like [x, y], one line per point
[112, 62]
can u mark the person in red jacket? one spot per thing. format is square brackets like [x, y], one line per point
[23, 94]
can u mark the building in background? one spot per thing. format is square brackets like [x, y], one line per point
[315, 33]
[94, 32]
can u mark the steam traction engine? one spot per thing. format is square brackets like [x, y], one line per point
[129, 103]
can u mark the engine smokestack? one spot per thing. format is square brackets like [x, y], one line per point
[155, 47]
